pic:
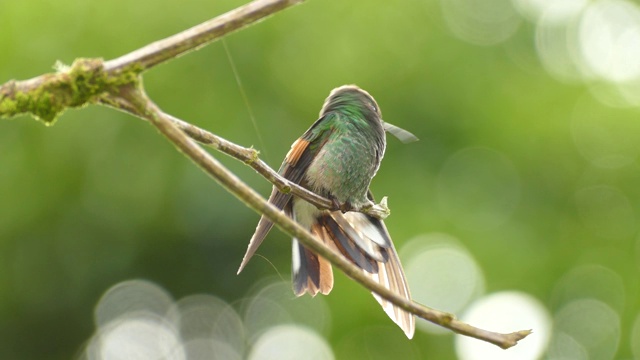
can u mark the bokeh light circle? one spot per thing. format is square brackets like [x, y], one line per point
[441, 273]
[140, 337]
[506, 312]
[129, 297]
[609, 39]
[137, 319]
[488, 22]
[290, 342]
[557, 11]
[202, 348]
[564, 347]
[556, 50]
[589, 326]
[204, 316]
[590, 281]
[275, 304]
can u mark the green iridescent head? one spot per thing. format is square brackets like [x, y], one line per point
[351, 100]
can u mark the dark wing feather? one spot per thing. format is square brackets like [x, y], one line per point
[293, 168]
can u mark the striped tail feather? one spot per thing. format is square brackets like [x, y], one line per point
[311, 273]
[365, 241]
[390, 273]
[392, 277]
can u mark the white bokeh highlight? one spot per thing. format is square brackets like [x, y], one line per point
[609, 40]
[130, 297]
[596, 43]
[290, 342]
[504, 312]
[138, 338]
[442, 274]
[556, 48]
[557, 11]
[137, 319]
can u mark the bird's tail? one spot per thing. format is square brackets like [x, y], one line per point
[365, 241]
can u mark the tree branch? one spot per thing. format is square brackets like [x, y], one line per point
[47, 96]
[200, 35]
[117, 84]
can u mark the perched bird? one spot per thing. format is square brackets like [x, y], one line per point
[337, 158]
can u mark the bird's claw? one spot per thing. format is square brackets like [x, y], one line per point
[342, 207]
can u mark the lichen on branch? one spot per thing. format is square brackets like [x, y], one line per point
[47, 96]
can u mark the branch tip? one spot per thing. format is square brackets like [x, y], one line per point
[380, 211]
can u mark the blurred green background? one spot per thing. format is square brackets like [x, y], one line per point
[525, 179]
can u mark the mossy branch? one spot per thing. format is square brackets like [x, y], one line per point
[47, 96]
[117, 84]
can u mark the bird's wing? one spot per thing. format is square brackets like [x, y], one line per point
[293, 168]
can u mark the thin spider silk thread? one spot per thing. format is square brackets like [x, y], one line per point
[245, 98]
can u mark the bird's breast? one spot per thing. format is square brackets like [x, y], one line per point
[343, 169]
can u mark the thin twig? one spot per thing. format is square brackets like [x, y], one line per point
[200, 35]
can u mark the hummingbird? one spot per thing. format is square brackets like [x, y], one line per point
[337, 157]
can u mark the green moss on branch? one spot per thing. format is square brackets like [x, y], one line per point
[47, 96]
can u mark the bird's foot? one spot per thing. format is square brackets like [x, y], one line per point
[342, 207]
